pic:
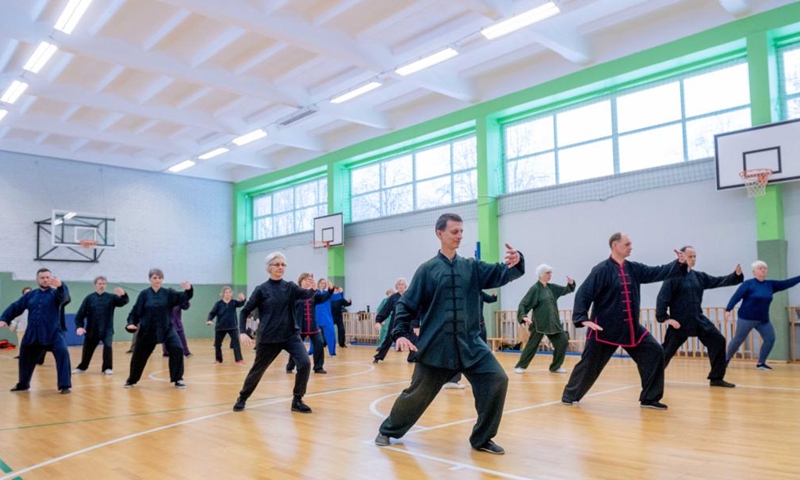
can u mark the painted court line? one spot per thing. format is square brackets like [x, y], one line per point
[738, 385]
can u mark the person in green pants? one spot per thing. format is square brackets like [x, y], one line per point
[542, 298]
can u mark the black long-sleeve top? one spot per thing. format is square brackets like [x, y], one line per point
[152, 312]
[306, 312]
[97, 311]
[682, 298]
[388, 308]
[44, 306]
[275, 301]
[614, 291]
[225, 314]
[338, 302]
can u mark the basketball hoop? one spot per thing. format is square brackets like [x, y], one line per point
[87, 243]
[321, 243]
[755, 181]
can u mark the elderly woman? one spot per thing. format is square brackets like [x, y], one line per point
[542, 298]
[756, 297]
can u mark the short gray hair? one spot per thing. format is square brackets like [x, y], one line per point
[542, 269]
[272, 256]
[401, 279]
[758, 263]
[155, 271]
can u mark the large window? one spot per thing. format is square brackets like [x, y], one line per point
[289, 210]
[672, 122]
[430, 177]
[790, 81]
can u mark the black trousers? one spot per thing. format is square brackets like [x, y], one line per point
[340, 333]
[649, 358]
[266, 354]
[708, 335]
[29, 356]
[90, 343]
[219, 336]
[319, 352]
[144, 348]
[489, 386]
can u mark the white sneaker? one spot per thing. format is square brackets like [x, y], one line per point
[560, 370]
[519, 370]
[455, 385]
[108, 371]
[78, 370]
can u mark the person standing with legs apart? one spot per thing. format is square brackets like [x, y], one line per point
[307, 316]
[613, 289]
[338, 304]
[542, 298]
[227, 324]
[444, 293]
[177, 324]
[97, 311]
[387, 311]
[325, 318]
[680, 306]
[756, 297]
[278, 330]
[150, 316]
[44, 332]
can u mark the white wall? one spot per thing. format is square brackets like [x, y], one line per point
[182, 225]
[573, 238]
[301, 256]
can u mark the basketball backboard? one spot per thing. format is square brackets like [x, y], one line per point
[329, 228]
[775, 146]
[69, 228]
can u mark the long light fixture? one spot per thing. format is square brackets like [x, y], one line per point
[14, 91]
[181, 166]
[40, 57]
[426, 62]
[250, 137]
[72, 15]
[3, 113]
[520, 21]
[355, 93]
[213, 153]
[69, 215]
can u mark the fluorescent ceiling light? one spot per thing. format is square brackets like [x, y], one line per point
[354, 93]
[14, 91]
[58, 221]
[72, 15]
[69, 215]
[181, 166]
[40, 56]
[520, 21]
[213, 153]
[250, 137]
[3, 113]
[426, 62]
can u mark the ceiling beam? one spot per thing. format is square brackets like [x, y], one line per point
[493, 9]
[736, 7]
[334, 11]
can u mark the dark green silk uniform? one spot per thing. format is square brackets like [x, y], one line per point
[543, 300]
[445, 295]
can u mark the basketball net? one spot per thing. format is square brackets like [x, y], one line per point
[88, 243]
[755, 181]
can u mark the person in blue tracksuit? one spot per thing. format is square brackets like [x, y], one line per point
[325, 317]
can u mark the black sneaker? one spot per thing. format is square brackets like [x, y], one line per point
[239, 405]
[721, 383]
[180, 384]
[321, 371]
[375, 360]
[289, 371]
[763, 366]
[129, 385]
[654, 404]
[17, 388]
[567, 401]
[299, 406]
[382, 440]
[491, 447]
[64, 390]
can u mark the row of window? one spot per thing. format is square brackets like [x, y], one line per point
[671, 122]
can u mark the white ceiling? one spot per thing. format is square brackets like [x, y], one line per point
[147, 83]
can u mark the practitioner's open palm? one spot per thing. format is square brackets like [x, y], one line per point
[512, 256]
[405, 345]
[592, 326]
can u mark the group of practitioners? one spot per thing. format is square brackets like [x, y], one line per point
[437, 317]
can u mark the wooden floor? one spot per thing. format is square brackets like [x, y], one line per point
[155, 431]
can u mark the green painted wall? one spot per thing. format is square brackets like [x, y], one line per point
[193, 319]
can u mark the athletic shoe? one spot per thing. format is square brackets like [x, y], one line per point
[763, 366]
[491, 447]
[567, 401]
[239, 405]
[108, 371]
[299, 406]
[375, 360]
[180, 384]
[321, 371]
[559, 370]
[342, 346]
[519, 370]
[382, 440]
[64, 390]
[721, 383]
[289, 371]
[654, 404]
[17, 388]
[129, 385]
[77, 371]
[454, 385]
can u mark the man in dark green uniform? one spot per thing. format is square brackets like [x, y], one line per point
[445, 293]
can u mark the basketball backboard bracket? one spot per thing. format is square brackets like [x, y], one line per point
[72, 237]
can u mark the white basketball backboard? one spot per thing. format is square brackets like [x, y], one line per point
[329, 228]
